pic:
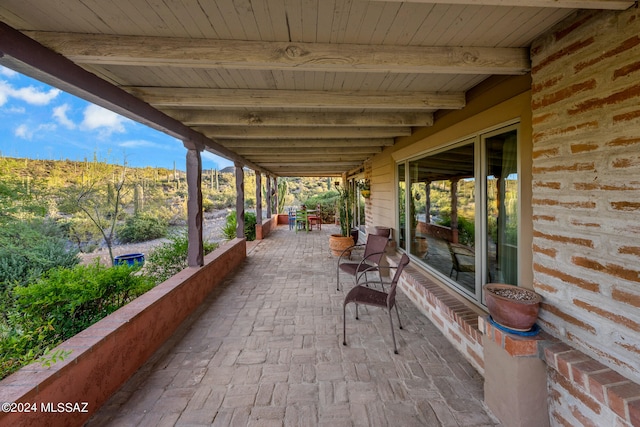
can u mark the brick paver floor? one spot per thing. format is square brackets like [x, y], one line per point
[265, 349]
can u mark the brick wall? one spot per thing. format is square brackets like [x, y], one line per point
[586, 198]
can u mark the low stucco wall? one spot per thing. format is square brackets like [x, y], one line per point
[106, 354]
[269, 224]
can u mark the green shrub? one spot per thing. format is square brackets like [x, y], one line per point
[140, 228]
[223, 200]
[230, 225]
[207, 205]
[466, 228]
[63, 302]
[250, 221]
[229, 229]
[170, 258]
[328, 202]
[30, 248]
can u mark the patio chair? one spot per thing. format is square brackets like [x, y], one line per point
[302, 222]
[364, 295]
[315, 218]
[457, 265]
[370, 262]
[292, 219]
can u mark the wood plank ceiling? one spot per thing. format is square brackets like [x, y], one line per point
[287, 87]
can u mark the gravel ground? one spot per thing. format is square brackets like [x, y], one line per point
[213, 223]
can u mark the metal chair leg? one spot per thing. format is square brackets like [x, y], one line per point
[398, 314]
[344, 324]
[393, 334]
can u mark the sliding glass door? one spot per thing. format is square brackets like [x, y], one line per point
[458, 210]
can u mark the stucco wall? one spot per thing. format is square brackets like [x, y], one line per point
[586, 177]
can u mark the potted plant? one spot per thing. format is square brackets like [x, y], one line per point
[512, 307]
[339, 242]
[365, 189]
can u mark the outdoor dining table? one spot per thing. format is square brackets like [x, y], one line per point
[309, 218]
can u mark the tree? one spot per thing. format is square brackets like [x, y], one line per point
[99, 197]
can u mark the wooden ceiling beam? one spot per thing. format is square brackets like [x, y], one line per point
[104, 49]
[284, 132]
[555, 4]
[305, 143]
[161, 97]
[198, 117]
[288, 158]
[299, 151]
[337, 165]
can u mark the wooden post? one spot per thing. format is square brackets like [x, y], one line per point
[258, 198]
[454, 210]
[269, 203]
[239, 200]
[195, 251]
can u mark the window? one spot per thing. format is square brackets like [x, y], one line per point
[458, 210]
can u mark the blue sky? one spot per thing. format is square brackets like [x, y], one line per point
[41, 122]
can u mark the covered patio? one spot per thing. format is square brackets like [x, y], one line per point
[362, 90]
[266, 349]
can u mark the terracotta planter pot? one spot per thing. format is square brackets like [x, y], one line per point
[512, 306]
[338, 243]
[420, 246]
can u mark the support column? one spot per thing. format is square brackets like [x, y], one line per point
[269, 197]
[274, 195]
[195, 251]
[239, 200]
[258, 197]
[454, 210]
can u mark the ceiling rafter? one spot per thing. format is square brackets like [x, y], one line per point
[230, 79]
[103, 49]
[255, 117]
[247, 98]
[267, 150]
[298, 132]
[306, 143]
[557, 4]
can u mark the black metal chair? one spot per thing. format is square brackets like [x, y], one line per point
[362, 294]
[370, 262]
[457, 265]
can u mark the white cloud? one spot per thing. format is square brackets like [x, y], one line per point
[60, 114]
[141, 143]
[22, 131]
[25, 132]
[15, 110]
[29, 94]
[98, 118]
[7, 72]
[218, 162]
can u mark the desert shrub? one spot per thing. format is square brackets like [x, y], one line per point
[140, 228]
[223, 200]
[170, 258]
[60, 304]
[229, 228]
[84, 234]
[30, 248]
[207, 205]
